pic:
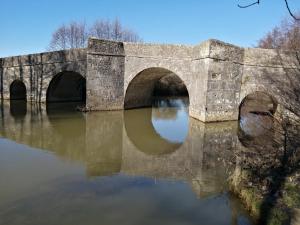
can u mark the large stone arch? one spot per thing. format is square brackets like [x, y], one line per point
[66, 86]
[135, 68]
[139, 86]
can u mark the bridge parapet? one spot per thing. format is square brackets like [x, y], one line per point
[217, 75]
[158, 50]
[45, 58]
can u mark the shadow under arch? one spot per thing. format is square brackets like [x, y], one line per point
[67, 86]
[142, 134]
[66, 92]
[17, 90]
[140, 90]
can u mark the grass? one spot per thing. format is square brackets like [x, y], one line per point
[253, 200]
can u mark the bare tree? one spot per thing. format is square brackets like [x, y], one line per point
[75, 34]
[104, 29]
[286, 4]
[101, 29]
[286, 36]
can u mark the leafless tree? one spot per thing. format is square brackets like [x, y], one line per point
[286, 36]
[101, 29]
[105, 29]
[259, 1]
[75, 34]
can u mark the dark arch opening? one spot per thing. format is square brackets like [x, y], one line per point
[17, 90]
[256, 114]
[67, 87]
[152, 83]
[170, 85]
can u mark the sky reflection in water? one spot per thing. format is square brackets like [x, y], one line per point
[144, 166]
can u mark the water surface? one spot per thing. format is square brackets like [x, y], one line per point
[143, 166]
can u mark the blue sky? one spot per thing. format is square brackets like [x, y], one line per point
[26, 26]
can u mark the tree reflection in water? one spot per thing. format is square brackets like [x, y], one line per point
[126, 155]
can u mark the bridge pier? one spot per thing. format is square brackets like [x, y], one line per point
[217, 76]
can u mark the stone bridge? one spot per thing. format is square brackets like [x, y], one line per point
[110, 75]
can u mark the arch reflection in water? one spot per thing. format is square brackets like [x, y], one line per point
[191, 175]
[100, 142]
[18, 109]
[68, 129]
[155, 131]
[63, 108]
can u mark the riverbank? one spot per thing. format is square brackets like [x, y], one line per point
[282, 208]
[267, 173]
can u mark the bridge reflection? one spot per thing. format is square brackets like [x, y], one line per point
[140, 131]
[127, 142]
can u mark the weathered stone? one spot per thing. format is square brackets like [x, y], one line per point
[217, 75]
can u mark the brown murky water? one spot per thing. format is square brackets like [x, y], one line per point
[145, 166]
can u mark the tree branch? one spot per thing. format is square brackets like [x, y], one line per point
[258, 1]
[246, 6]
[290, 12]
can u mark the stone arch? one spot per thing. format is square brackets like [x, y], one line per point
[259, 102]
[256, 112]
[139, 89]
[17, 90]
[67, 86]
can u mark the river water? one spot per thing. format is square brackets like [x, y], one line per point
[143, 166]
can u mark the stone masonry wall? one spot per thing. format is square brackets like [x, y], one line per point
[105, 79]
[273, 72]
[37, 70]
[177, 59]
[224, 81]
[217, 75]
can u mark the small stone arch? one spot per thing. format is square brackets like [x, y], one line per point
[139, 89]
[67, 86]
[258, 102]
[256, 119]
[17, 90]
